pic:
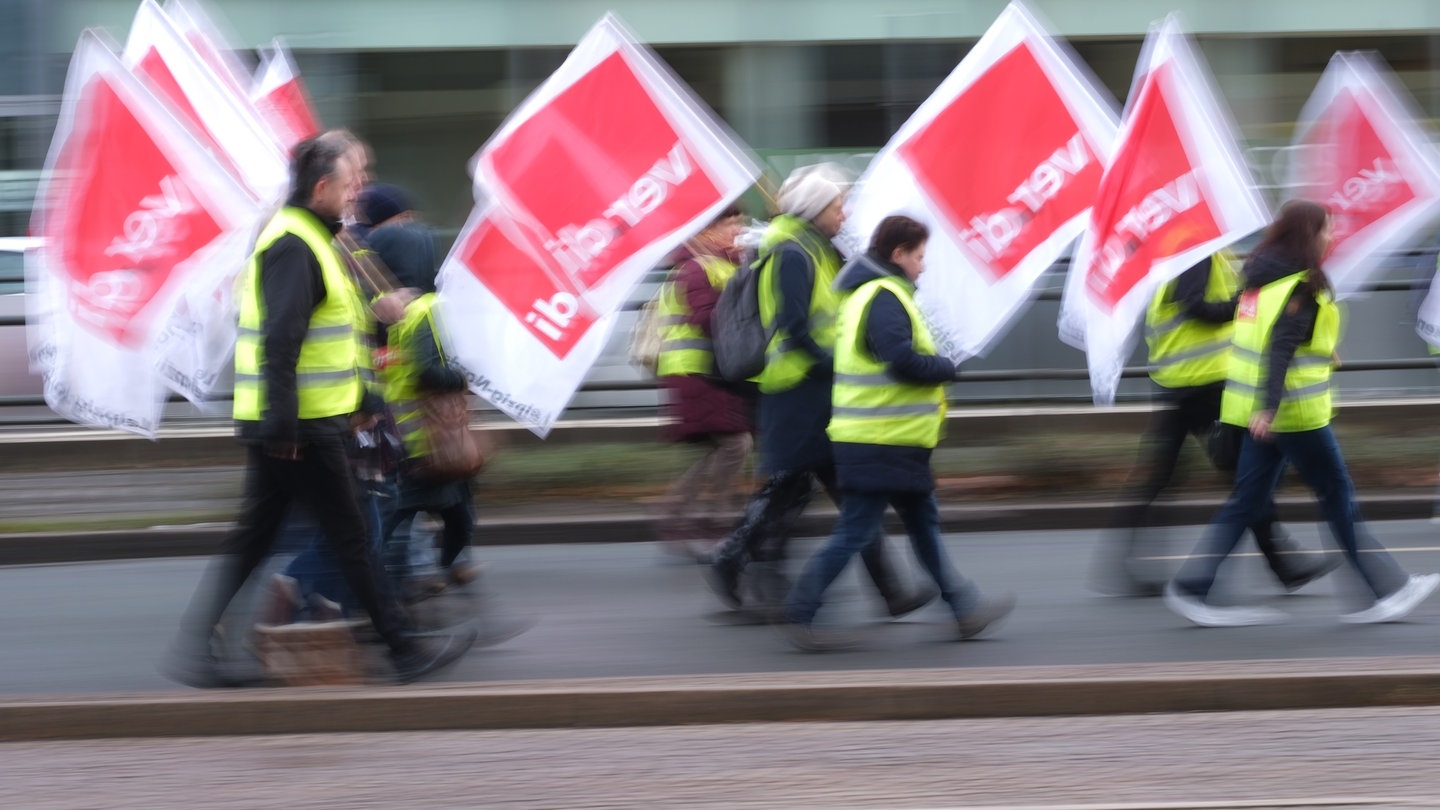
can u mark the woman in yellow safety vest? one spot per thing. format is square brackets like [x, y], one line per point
[702, 408]
[887, 415]
[1287, 327]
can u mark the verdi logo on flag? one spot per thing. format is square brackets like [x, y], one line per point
[1150, 205]
[1362, 155]
[129, 218]
[599, 174]
[1002, 162]
[1005, 186]
[548, 305]
[591, 184]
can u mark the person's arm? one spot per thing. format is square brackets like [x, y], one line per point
[291, 287]
[797, 285]
[1190, 295]
[435, 374]
[889, 336]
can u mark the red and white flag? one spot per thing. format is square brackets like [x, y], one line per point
[279, 95]
[133, 210]
[198, 25]
[590, 183]
[1175, 191]
[223, 118]
[1005, 186]
[1361, 154]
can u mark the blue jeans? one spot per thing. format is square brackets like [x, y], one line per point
[315, 569]
[862, 516]
[1316, 457]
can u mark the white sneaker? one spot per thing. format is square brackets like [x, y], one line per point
[1198, 612]
[1397, 605]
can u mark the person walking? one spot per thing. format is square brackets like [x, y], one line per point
[299, 390]
[1287, 327]
[1188, 328]
[798, 303]
[702, 408]
[887, 417]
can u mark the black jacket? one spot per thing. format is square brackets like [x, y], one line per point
[291, 286]
[889, 338]
[1293, 329]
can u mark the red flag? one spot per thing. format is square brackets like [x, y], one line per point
[280, 96]
[1005, 186]
[223, 119]
[1175, 191]
[591, 183]
[1363, 156]
[133, 212]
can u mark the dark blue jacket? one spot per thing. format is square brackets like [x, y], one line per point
[879, 468]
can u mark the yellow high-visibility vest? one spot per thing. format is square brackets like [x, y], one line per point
[868, 405]
[329, 375]
[1306, 403]
[786, 364]
[684, 347]
[1186, 351]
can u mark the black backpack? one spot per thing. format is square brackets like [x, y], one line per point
[738, 336]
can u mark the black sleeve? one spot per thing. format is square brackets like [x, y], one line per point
[888, 336]
[797, 283]
[435, 374]
[291, 287]
[1190, 295]
[1291, 331]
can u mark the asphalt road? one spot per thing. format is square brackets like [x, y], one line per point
[622, 609]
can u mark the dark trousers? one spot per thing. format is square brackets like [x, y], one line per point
[764, 532]
[321, 480]
[1191, 412]
[459, 527]
[862, 516]
[1316, 456]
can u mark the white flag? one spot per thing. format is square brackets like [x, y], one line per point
[133, 210]
[280, 96]
[1005, 186]
[592, 182]
[1362, 155]
[1175, 191]
[197, 349]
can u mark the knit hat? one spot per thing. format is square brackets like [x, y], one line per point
[810, 189]
[382, 201]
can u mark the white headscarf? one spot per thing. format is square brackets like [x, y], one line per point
[810, 189]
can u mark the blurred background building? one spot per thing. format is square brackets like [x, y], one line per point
[427, 81]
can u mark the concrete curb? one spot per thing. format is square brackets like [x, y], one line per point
[204, 539]
[709, 699]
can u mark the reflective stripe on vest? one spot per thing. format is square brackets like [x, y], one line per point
[786, 364]
[330, 370]
[869, 406]
[1307, 401]
[402, 374]
[1185, 351]
[684, 348]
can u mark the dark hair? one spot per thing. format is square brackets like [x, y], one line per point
[730, 212]
[1294, 237]
[897, 231]
[313, 160]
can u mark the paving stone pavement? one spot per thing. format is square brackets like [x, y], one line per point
[1370, 758]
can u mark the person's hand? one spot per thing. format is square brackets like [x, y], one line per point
[1260, 425]
[390, 307]
[286, 451]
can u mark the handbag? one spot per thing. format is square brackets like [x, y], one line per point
[1223, 445]
[454, 453]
